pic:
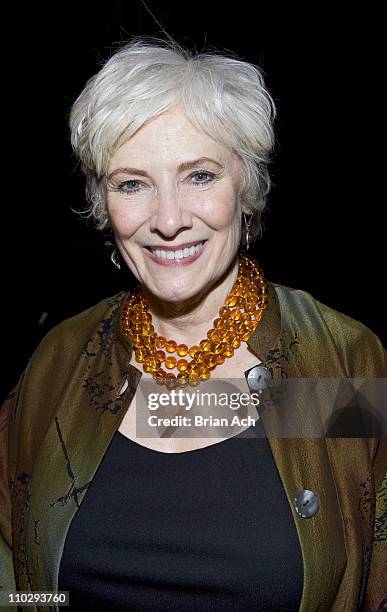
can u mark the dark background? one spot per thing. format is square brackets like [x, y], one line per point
[325, 229]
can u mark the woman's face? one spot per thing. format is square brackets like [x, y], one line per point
[173, 204]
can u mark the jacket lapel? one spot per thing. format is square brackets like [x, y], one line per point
[89, 413]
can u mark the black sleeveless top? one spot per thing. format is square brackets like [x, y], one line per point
[208, 529]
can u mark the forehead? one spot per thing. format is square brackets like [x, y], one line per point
[169, 139]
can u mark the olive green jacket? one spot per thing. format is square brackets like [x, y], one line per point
[58, 423]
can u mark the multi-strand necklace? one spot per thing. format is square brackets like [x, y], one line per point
[237, 319]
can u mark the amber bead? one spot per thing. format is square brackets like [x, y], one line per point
[199, 356]
[205, 345]
[171, 346]
[217, 348]
[170, 362]
[228, 351]
[171, 381]
[137, 340]
[220, 359]
[233, 326]
[250, 308]
[182, 378]
[182, 365]
[193, 350]
[161, 342]
[139, 308]
[136, 328]
[210, 333]
[194, 371]
[160, 355]
[204, 374]
[182, 350]
[223, 336]
[147, 329]
[194, 381]
[245, 336]
[224, 312]
[251, 325]
[250, 304]
[228, 337]
[231, 300]
[140, 355]
[236, 314]
[220, 323]
[235, 343]
[210, 360]
[152, 363]
[158, 377]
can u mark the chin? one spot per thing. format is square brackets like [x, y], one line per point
[174, 294]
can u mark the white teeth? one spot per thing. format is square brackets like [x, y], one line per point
[179, 254]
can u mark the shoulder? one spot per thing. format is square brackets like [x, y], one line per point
[325, 329]
[77, 334]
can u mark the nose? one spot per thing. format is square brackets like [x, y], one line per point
[169, 216]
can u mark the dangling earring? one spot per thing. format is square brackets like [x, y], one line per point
[248, 230]
[114, 258]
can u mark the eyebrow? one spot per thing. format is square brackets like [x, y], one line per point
[187, 165]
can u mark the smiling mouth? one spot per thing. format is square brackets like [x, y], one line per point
[187, 251]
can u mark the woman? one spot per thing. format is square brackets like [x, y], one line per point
[175, 148]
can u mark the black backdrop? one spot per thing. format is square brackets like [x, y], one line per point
[325, 231]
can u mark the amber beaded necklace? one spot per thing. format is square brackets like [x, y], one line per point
[237, 320]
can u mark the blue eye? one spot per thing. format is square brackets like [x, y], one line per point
[202, 173]
[128, 187]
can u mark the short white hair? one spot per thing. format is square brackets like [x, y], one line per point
[222, 95]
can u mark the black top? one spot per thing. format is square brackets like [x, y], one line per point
[208, 529]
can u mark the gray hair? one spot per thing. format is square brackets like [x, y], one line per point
[222, 95]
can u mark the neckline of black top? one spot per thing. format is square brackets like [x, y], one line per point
[254, 432]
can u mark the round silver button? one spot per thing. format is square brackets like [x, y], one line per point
[307, 503]
[258, 377]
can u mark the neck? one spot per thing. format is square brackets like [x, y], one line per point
[188, 321]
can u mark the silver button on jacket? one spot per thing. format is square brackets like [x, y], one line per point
[306, 503]
[257, 378]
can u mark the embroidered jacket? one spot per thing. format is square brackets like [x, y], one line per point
[58, 423]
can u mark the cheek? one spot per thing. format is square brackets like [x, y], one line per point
[125, 219]
[221, 210]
